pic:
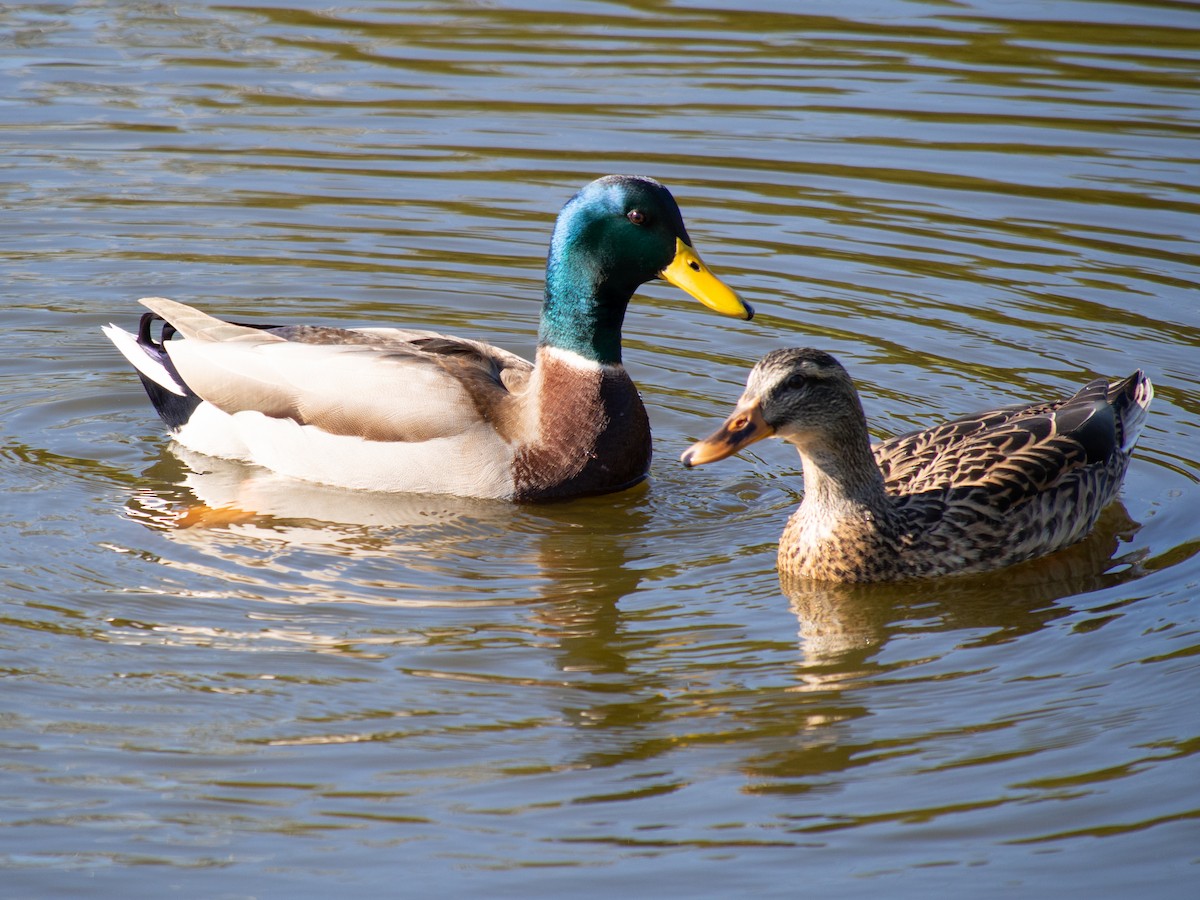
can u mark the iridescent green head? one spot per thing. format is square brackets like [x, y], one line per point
[611, 238]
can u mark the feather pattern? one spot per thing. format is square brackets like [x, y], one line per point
[969, 495]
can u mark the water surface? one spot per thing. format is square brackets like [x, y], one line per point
[222, 684]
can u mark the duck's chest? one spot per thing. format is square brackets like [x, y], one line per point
[847, 546]
[591, 434]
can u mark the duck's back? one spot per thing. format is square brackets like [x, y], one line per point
[1006, 485]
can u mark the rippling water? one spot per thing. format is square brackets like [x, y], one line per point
[217, 683]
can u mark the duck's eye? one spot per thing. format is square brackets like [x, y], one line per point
[795, 382]
[636, 216]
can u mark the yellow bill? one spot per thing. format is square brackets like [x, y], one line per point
[688, 272]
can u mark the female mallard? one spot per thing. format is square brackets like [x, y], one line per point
[397, 410]
[973, 494]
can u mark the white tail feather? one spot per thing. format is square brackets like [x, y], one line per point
[1135, 416]
[141, 360]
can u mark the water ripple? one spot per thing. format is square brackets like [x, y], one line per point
[263, 683]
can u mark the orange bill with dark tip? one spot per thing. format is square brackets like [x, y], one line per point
[743, 428]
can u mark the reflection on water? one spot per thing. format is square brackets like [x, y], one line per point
[221, 508]
[281, 688]
[196, 497]
[286, 541]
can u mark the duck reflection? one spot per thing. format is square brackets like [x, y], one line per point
[843, 623]
[843, 629]
[202, 501]
[565, 561]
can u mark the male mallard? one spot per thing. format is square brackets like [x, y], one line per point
[973, 494]
[397, 410]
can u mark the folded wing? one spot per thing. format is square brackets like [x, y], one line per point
[375, 384]
[1018, 452]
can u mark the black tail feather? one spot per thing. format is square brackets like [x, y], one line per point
[171, 408]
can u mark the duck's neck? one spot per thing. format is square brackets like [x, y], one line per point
[848, 527]
[584, 306]
[842, 482]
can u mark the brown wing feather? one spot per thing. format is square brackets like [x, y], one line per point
[1012, 454]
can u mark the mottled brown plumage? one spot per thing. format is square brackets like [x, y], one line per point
[973, 494]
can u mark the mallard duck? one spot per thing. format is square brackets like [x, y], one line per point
[973, 494]
[387, 409]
